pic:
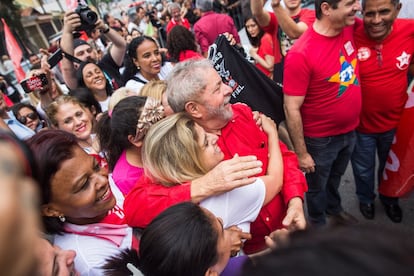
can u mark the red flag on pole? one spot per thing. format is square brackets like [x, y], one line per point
[398, 176]
[71, 4]
[14, 51]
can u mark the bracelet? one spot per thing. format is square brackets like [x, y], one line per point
[107, 29]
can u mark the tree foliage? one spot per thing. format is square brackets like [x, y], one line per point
[10, 11]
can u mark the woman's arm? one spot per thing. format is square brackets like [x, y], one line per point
[147, 199]
[267, 62]
[274, 175]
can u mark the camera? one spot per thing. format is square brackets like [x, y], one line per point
[54, 59]
[88, 18]
[35, 83]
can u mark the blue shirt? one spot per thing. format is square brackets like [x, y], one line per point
[21, 131]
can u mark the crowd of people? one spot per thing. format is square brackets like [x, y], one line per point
[127, 158]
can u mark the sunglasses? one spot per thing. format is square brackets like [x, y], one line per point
[31, 116]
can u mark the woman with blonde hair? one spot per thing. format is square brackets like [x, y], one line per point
[177, 150]
[156, 89]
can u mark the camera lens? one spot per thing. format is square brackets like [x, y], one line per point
[90, 17]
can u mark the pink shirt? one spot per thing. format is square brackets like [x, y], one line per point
[125, 175]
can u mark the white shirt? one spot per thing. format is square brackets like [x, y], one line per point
[92, 252]
[240, 206]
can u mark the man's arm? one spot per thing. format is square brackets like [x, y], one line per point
[262, 16]
[118, 48]
[71, 21]
[289, 26]
[292, 105]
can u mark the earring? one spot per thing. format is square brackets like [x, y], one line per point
[138, 67]
[62, 218]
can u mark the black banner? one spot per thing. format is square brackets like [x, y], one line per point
[249, 84]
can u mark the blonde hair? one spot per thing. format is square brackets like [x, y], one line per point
[53, 107]
[171, 154]
[118, 95]
[154, 89]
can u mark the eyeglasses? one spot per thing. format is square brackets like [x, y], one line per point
[378, 50]
[31, 116]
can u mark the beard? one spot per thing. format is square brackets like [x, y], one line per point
[222, 113]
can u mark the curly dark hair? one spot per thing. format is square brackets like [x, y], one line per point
[180, 39]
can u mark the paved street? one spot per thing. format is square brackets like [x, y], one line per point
[350, 204]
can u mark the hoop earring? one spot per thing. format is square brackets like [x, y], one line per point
[62, 218]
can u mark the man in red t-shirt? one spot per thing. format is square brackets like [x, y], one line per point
[322, 98]
[285, 25]
[385, 47]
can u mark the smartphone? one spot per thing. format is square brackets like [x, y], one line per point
[55, 58]
[34, 83]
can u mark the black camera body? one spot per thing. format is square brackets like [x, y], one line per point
[87, 16]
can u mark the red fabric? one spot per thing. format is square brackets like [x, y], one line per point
[325, 71]
[242, 136]
[14, 51]
[184, 22]
[272, 30]
[210, 26]
[8, 102]
[398, 176]
[189, 54]
[71, 4]
[147, 199]
[384, 83]
[265, 49]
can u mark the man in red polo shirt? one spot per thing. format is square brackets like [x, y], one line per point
[196, 88]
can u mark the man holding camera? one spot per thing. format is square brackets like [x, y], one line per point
[79, 49]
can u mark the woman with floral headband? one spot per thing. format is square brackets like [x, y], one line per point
[121, 135]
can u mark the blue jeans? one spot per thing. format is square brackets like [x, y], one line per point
[331, 155]
[363, 164]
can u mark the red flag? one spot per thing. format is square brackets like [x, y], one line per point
[398, 176]
[71, 4]
[14, 51]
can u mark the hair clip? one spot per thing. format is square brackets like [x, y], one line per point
[135, 271]
[152, 112]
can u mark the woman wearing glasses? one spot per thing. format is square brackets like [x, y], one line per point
[28, 116]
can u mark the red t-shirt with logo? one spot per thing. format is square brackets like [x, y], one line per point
[383, 74]
[325, 71]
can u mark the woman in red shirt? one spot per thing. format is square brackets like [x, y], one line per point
[262, 47]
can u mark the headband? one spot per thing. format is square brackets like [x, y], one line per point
[152, 112]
